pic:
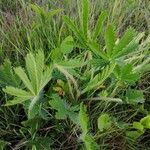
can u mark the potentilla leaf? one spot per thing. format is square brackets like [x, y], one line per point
[67, 45]
[83, 119]
[110, 39]
[134, 96]
[104, 122]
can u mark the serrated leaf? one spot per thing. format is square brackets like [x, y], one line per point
[40, 66]
[7, 76]
[125, 40]
[17, 100]
[83, 119]
[94, 47]
[134, 96]
[126, 74]
[110, 40]
[90, 143]
[131, 47]
[99, 24]
[20, 72]
[104, 122]
[31, 66]
[71, 63]
[60, 105]
[100, 78]
[17, 92]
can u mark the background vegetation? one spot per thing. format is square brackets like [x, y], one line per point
[74, 74]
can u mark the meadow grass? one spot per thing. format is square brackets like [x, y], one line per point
[74, 74]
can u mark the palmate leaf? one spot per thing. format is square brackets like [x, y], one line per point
[39, 76]
[100, 78]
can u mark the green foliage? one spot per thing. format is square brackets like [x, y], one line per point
[104, 122]
[126, 74]
[2, 144]
[63, 109]
[83, 119]
[67, 45]
[91, 55]
[7, 76]
[89, 141]
[134, 96]
[100, 78]
[146, 122]
[38, 76]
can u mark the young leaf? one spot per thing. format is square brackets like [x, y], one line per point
[104, 122]
[100, 78]
[146, 122]
[138, 126]
[125, 40]
[67, 45]
[134, 135]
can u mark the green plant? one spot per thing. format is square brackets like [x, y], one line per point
[38, 76]
[96, 58]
